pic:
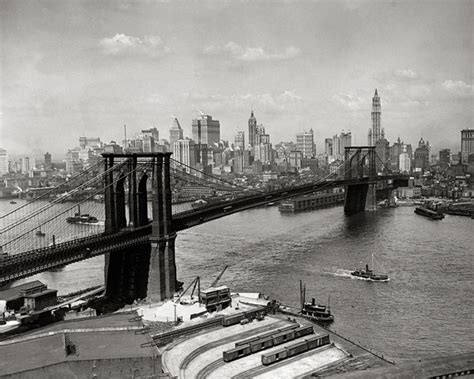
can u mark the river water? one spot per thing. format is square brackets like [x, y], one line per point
[425, 309]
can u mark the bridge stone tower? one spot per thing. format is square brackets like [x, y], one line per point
[147, 269]
[360, 165]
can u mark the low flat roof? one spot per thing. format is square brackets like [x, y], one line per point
[42, 293]
[34, 350]
[212, 289]
[14, 292]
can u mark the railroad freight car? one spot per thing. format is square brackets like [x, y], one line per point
[283, 337]
[309, 343]
[236, 353]
[269, 334]
[303, 331]
[249, 315]
[261, 344]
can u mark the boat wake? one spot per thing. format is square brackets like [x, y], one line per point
[341, 272]
[370, 280]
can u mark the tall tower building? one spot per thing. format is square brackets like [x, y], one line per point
[467, 144]
[345, 140]
[184, 152]
[176, 132]
[252, 129]
[239, 140]
[152, 132]
[422, 155]
[404, 160]
[206, 131]
[3, 162]
[47, 160]
[376, 132]
[328, 146]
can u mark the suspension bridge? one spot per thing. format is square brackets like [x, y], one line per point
[131, 206]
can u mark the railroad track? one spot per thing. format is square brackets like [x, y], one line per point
[236, 337]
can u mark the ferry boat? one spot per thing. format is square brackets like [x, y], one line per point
[79, 218]
[82, 219]
[423, 211]
[369, 274]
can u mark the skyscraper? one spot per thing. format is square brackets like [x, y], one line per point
[345, 140]
[376, 132]
[27, 164]
[184, 152]
[422, 155]
[3, 161]
[252, 129]
[395, 151]
[467, 144]
[404, 160]
[206, 131]
[305, 144]
[239, 140]
[152, 132]
[47, 160]
[176, 132]
[445, 156]
[328, 146]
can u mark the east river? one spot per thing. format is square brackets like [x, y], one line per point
[425, 309]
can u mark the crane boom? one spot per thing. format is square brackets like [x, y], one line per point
[219, 277]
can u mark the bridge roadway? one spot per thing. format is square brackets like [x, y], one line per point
[33, 262]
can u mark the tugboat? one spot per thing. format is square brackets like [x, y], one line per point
[79, 218]
[312, 311]
[369, 274]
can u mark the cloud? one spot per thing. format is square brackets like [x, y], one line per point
[123, 45]
[406, 74]
[251, 54]
[279, 101]
[351, 102]
[458, 88]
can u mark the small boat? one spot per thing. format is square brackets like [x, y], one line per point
[8, 325]
[312, 311]
[368, 274]
[13, 202]
[39, 233]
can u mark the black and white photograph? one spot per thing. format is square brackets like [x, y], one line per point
[236, 189]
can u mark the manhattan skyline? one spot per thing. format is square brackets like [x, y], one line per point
[85, 68]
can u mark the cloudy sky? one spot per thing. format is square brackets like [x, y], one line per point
[71, 68]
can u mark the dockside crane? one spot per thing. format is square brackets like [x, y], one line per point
[219, 277]
[196, 282]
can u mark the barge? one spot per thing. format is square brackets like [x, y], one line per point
[313, 201]
[423, 211]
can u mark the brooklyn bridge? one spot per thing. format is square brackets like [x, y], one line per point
[140, 247]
